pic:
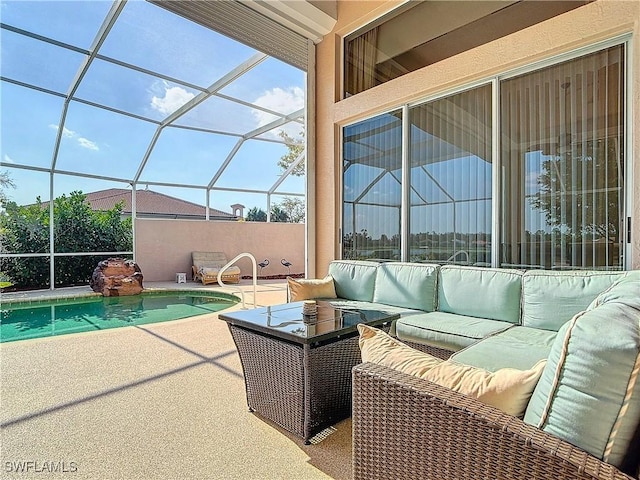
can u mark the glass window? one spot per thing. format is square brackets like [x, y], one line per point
[418, 34]
[372, 187]
[562, 153]
[450, 203]
[561, 173]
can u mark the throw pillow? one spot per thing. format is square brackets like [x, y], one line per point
[308, 289]
[507, 389]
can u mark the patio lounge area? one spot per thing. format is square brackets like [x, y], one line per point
[157, 401]
[469, 170]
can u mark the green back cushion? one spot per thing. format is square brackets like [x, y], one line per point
[550, 299]
[354, 280]
[410, 285]
[480, 292]
[589, 392]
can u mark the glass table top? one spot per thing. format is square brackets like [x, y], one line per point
[287, 321]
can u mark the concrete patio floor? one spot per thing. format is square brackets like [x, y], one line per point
[158, 401]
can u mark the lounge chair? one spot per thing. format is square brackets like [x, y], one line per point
[206, 266]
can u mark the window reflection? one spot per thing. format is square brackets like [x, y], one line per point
[450, 203]
[562, 153]
[372, 186]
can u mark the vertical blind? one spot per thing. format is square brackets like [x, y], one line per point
[562, 156]
[372, 186]
[560, 202]
[450, 204]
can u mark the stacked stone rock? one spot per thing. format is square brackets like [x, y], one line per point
[117, 277]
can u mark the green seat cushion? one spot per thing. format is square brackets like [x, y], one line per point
[624, 290]
[517, 347]
[549, 299]
[589, 392]
[353, 279]
[480, 292]
[409, 285]
[446, 330]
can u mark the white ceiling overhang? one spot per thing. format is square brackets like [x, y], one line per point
[298, 15]
[281, 29]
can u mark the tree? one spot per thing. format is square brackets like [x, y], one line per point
[256, 214]
[295, 147]
[294, 209]
[77, 228]
[278, 214]
[5, 182]
[574, 193]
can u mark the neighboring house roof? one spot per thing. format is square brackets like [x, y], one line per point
[149, 202]
[152, 204]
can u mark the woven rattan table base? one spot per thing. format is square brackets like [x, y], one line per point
[302, 388]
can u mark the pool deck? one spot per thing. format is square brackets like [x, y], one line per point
[162, 400]
[271, 291]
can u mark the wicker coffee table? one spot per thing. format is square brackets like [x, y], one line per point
[298, 373]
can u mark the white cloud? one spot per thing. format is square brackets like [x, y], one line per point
[8, 159]
[82, 141]
[86, 143]
[171, 99]
[280, 100]
[66, 133]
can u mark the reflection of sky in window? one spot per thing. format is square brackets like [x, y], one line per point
[356, 179]
[533, 169]
[72, 22]
[158, 40]
[465, 178]
[376, 220]
[386, 191]
[38, 63]
[534, 219]
[427, 148]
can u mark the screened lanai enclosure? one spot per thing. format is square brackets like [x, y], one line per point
[168, 97]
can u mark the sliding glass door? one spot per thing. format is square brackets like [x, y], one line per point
[450, 194]
[562, 148]
[553, 195]
[372, 188]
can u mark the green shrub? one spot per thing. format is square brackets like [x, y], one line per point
[77, 228]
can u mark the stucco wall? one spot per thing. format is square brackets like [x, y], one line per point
[163, 247]
[584, 26]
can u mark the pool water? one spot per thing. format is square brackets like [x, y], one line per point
[45, 318]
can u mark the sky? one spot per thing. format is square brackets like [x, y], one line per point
[105, 143]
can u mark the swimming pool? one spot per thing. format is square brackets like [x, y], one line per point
[21, 320]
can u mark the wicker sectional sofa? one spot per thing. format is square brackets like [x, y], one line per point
[582, 420]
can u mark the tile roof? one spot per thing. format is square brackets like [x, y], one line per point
[149, 202]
